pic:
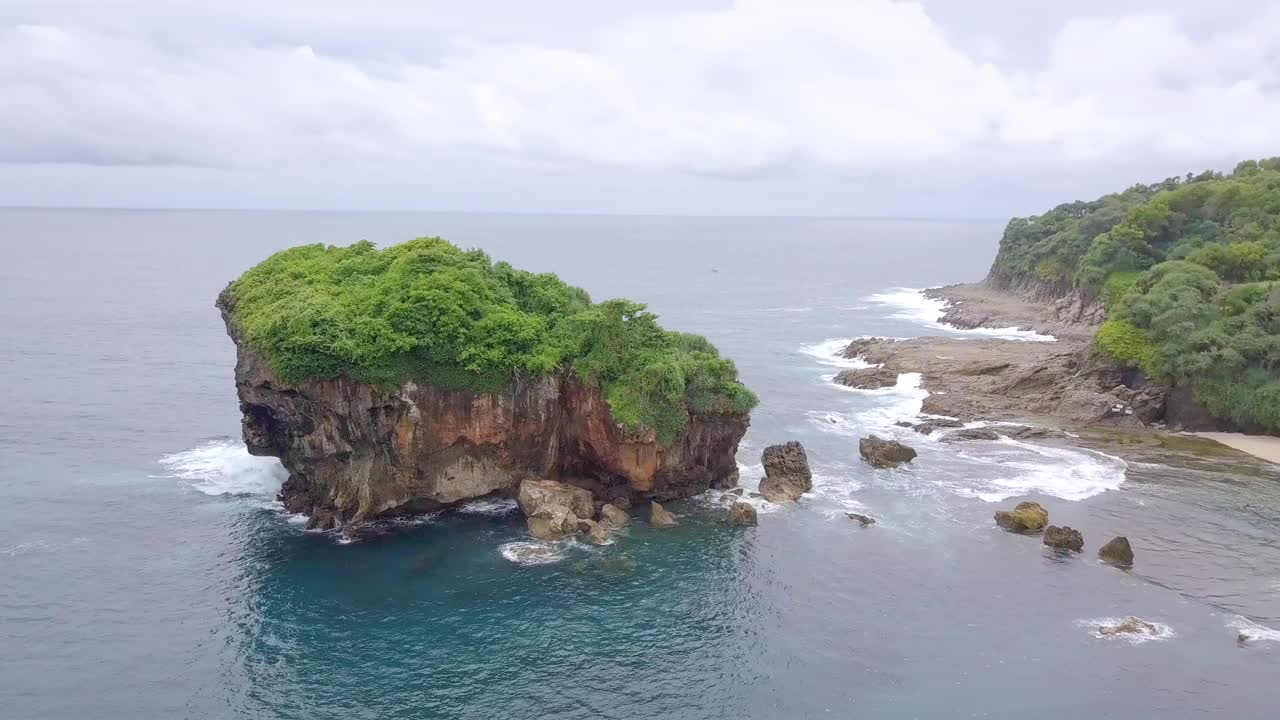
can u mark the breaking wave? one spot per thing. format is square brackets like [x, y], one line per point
[912, 304]
[1253, 631]
[829, 352]
[225, 467]
[1011, 468]
[533, 552]
[489, 506]
[1094, 625]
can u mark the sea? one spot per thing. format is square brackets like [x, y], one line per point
[146, 570]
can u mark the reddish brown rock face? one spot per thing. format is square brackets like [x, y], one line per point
[356, 451]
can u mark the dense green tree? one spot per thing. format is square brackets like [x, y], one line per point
[427, 311]
[1189, 270]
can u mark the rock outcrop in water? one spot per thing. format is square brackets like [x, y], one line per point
[1063, 538]
[742, 512]
[786, 472]
[357, 451]
[883, 453]
[660, 517]
[1117, 552]
[1024, 517]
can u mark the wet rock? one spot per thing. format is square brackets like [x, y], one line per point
[736, 491]
[742, 513]
[552, 523]
[906, 424]
[872, 378]
[321, 520]
[1129, 626]
[555, 509]
[1024, 517]
[883, 453]
[787, 474]
[597, 534]
[929, 426]
[622, 502]
[614, 516]
[535, 495]
[1027, 432]
[863, 519]
[971, 434]
[659, 517]
[1063, 538]
[1117, 552]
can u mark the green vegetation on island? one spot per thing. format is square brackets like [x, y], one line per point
[429, 312]
[1189, 271]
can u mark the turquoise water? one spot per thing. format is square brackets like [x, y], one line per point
[147, 572]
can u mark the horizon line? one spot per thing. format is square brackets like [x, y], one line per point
[535, 213]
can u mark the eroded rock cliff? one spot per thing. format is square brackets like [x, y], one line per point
[357, 451]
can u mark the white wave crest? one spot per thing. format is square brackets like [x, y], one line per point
[1011, 468]
[489, 506]
[533, 552]
[1095, 625]
[830, 352]
[1252, 631]
[225, 467]
[893, 403]
[912, 304]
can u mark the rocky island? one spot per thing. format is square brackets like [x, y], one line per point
[1164, 301]
[415, 377]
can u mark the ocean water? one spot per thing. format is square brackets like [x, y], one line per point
[145, 571]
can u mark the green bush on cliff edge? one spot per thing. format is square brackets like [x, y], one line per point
[427, 311]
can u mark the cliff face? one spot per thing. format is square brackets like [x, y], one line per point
[1062, 301]
[356, 451]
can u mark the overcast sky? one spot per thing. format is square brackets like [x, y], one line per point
[939, 108]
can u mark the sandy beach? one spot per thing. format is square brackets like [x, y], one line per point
[1266, 447]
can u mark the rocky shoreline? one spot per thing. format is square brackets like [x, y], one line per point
[1066, 382]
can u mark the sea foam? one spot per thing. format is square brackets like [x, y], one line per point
[1011, 468]
[225, 467]
[829, 352]
[1093, 625]
[533, 552]
[912, 304]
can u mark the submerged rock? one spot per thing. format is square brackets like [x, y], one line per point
[1063, 538]
[928, 426]
[659, 517]
[1028, 432]
[1024, 517]
[787, 474]
[883, 453]
[742, 513]
[863, 519]
[1129, 626]
[872, 378]
[1117, 552]
[971, 434]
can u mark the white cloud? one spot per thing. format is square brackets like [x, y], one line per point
[763, 87]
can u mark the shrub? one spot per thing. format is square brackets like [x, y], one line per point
[430, 312]
[1130, 345]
